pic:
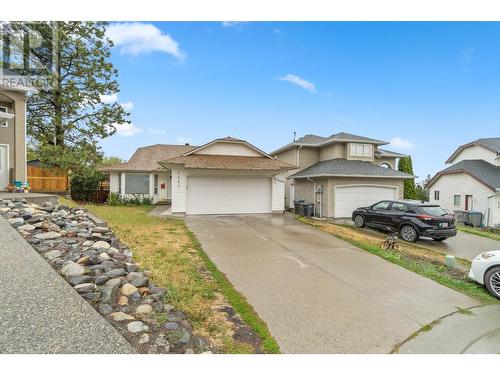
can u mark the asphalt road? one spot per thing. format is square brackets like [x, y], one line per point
[40, 312]
[319, 294]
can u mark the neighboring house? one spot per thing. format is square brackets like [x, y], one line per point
[472, 181]
[340, 173]
[12, 135]
[225, 176]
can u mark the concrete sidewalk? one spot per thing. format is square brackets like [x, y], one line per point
[40, 312]
[476, 331]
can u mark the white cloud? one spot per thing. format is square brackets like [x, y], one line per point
[233, 24]
[467, 55]
[183, 140]
[126, 129]
[135, 38]
[299, 82]
[402, 143]
[109, 99]
[156, 131]
[127, 106]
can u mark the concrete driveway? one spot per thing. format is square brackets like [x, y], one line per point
[319, 294]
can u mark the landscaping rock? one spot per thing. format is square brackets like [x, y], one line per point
[47, 236]
[104, 309]
[86, 288]
[26, 227]
[16, 222]
[120, 316]
[128, 289]
[116, 273]
[110, 291]
[137, 326]
[144, 339]
[144, 309]
[101, 245]
[52, 254]
[71, 269]
[140, 281]
[79, 279]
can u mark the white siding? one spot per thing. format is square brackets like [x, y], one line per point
[235, 149]
[475, 152]
[493, 219]
[460, 184]
[114, 182]
[178, 190]
[278, 199]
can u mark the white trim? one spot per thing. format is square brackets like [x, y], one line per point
[348, 175]
[227, 141]
[353, 147]
[8, 164]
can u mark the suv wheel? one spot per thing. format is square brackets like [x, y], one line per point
[492, 281]
[359, 221]
[408, 233]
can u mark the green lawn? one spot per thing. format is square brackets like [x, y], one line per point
[420, 260]
[193, 282]
[493, 234]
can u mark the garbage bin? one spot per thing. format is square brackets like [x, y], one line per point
[308, 209]
[465, 218]
[298, 207]
[475, 218]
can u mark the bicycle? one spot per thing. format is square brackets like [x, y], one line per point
[391, 242]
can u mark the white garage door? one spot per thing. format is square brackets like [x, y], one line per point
[348, 198]
[228, 195]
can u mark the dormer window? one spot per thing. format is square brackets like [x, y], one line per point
[361, 149]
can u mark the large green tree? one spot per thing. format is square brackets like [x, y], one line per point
[405, 164]
[66, 121]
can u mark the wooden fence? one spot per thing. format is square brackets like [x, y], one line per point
[47, 180]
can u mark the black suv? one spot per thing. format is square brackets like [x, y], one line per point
[411, 220]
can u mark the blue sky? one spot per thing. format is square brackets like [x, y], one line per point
[429, 87]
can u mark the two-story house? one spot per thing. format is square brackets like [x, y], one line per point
[472, 181]
[340, 173]
[12, 135]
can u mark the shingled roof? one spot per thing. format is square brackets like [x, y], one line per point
[202, 161]
[492, 144]
[145, 159]
[349, 168]
[481, 170]
[312, 140]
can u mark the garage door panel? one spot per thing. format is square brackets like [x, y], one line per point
[228, 195]
[348, 198]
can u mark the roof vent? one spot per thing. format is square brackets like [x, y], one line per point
[186, 144]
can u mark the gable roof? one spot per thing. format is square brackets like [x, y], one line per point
[381, 152]
[349, 168]
[480, 170]
[199, 161]
[311, 140]
[492, 144]
[145, 159]
[228, 140]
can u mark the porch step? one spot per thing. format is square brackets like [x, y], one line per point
[164, 202]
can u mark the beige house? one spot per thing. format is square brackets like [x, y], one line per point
[340, 173]
[224, 176]
[471, 182]
[12, 135]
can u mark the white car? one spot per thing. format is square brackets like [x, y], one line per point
[485, 269]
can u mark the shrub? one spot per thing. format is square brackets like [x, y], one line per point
[114, 199]
[85, 183]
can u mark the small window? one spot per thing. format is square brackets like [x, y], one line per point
[386, 165]
[6, 123]
[380, 206]
[436, 195]
[156, 185]
[361, 149]
[456, 200]
[399, 207]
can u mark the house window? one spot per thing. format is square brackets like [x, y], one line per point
[156, 185]
[386, 165]
[361, 149]
[137, 183]
[6, 123]
[436, 195]
[456, 200]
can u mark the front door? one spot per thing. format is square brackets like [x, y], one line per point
[4, 166]
[468, 203]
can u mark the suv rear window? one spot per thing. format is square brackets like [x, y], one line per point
[433, 210]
